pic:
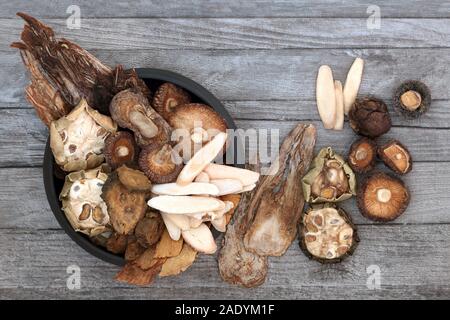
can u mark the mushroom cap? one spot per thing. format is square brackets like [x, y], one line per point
[412, 98]
[160, 164]
[370, 117]
[382, 197]
[168, 97]
[120, 148]
[327, 234]
[362, 155]
[396, 156]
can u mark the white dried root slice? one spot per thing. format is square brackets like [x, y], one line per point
[201, 159]
[202, 177]
[250, 187]
[173, 230]
[220, 224]
[352, 83]
[339, 124]
[179, 220]
[193, 188]
[185, 204]
[220, 171]
[212, 215]
[326, 97]
[195, 222]
[227, 186]
[328, 235]
[201, 239]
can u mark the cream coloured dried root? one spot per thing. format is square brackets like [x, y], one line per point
[328, 235]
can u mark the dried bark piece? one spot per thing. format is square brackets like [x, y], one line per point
[148, 231]
[236, 264]
[117, 243]
[278, 200]
[178, 264]
[147, 259]
[134, 249]
[134, 275]
[167, 247]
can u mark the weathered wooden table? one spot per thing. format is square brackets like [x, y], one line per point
[260, 58]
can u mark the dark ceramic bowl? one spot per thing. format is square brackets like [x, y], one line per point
[54, 179]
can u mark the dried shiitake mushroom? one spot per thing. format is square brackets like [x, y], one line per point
[132, 179]
[195, 125]
[125, 207]
[383, 197]
[327, 234]
[149, 230]
[369, 117]
[362, 155]
[120, 148]
[168, 97]
[82, 203]
[131, 110]
[78, 139]
[412, 99]
[161, 164]
[329, 180]
[396, 156]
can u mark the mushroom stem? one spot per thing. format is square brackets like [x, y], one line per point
[122, 151]
[145, 126]
[164, 155]
[384, 195]
[411, 100]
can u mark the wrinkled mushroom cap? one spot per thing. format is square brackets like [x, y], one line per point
[362, 155]
[82, 202]
[161, 164]
[168, 97]
[369, 117]
[327, 234]
[396, 156]
[78, 139]
[383, 197]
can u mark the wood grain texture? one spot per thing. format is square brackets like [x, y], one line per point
[274, 33]
[249, 75]
[410, 267]
[230, 8]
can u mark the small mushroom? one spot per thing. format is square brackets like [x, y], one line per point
[412, 99]
[78, 139]
[195, 125]
[132, 179]
[161, 164]
[370, 117]
[362, 155]
[382, 197]
[131, 110]
[120, 148]
[168, 97]
[396, 156]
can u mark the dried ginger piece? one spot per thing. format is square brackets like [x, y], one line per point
[167, 247]
[178, 264]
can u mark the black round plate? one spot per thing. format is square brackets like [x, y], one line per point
[54, 178]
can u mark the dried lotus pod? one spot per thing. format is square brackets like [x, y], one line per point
[168, 97]
[78, 139]
[369, 117]
[82, 203]
[396, 156]
[131, 110]
[327, 234]
[412, 99]
[330, 179]
[362, 155]
[120, 148]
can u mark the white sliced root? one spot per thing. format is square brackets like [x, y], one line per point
[201, 159]
[352, 83]
[185, 204]
[220, 171]
[339, 124]
[194, 222]
[326, 97]
[201, 239]
[202, 177]
[180, 220]
[250, 187]
[227, 186]
[220, 224]
[193, 188]
[174, 231]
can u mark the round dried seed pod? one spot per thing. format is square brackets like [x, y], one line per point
[327, 234]
[382, 197]
[412, 98]
[369, 117]
[168, 97]
[120, 148]
[362, 155]
[396, 156]
[161, 164]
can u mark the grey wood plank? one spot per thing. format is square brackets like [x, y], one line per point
[230, 8]
[273, 33]
[23, 138]
[411, 267]
[266, 74]
[24, 205]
